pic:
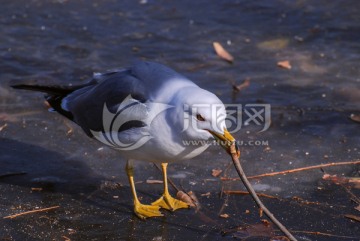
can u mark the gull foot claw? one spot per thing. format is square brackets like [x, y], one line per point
[168, 202]
[147, 211]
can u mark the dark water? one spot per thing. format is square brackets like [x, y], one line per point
[63, 42]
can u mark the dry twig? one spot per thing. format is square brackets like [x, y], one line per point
[248, 186]
[12, 174]
[297, 170]
[32, 211]
[247, 193]
[324, 234]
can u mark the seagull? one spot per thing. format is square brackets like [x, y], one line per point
[147, 112]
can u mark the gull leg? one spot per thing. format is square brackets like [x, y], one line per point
[141, 210]
[166, 201]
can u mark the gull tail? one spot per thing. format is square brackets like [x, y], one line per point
[54, 95]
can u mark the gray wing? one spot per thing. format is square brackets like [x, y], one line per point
[142, 81]
[87, 104]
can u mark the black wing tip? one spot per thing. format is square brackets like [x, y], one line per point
[51, 90]
[53, 95]
[40, 88]
[20, 86]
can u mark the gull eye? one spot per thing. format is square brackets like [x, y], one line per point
[200, 118]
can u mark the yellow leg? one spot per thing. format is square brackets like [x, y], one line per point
[166, 201]
[141, 210]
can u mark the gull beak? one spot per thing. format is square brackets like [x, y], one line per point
[225, 140]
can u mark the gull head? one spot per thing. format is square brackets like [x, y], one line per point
[201, 116]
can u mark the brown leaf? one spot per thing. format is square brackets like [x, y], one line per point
[151, 181]
[222, 53]
[261, 212]
[357, 207]
[241, 86]
[66, 238]
[265, 222]
[355, 117]
[37, 189]
[205, 194]
[352, 217]
[185, 198]
[284, 64]
[335, 179]
[267, 149]
[3, 126]
[216, 172]
[47, 104]
[355, 180]
[225, 215]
